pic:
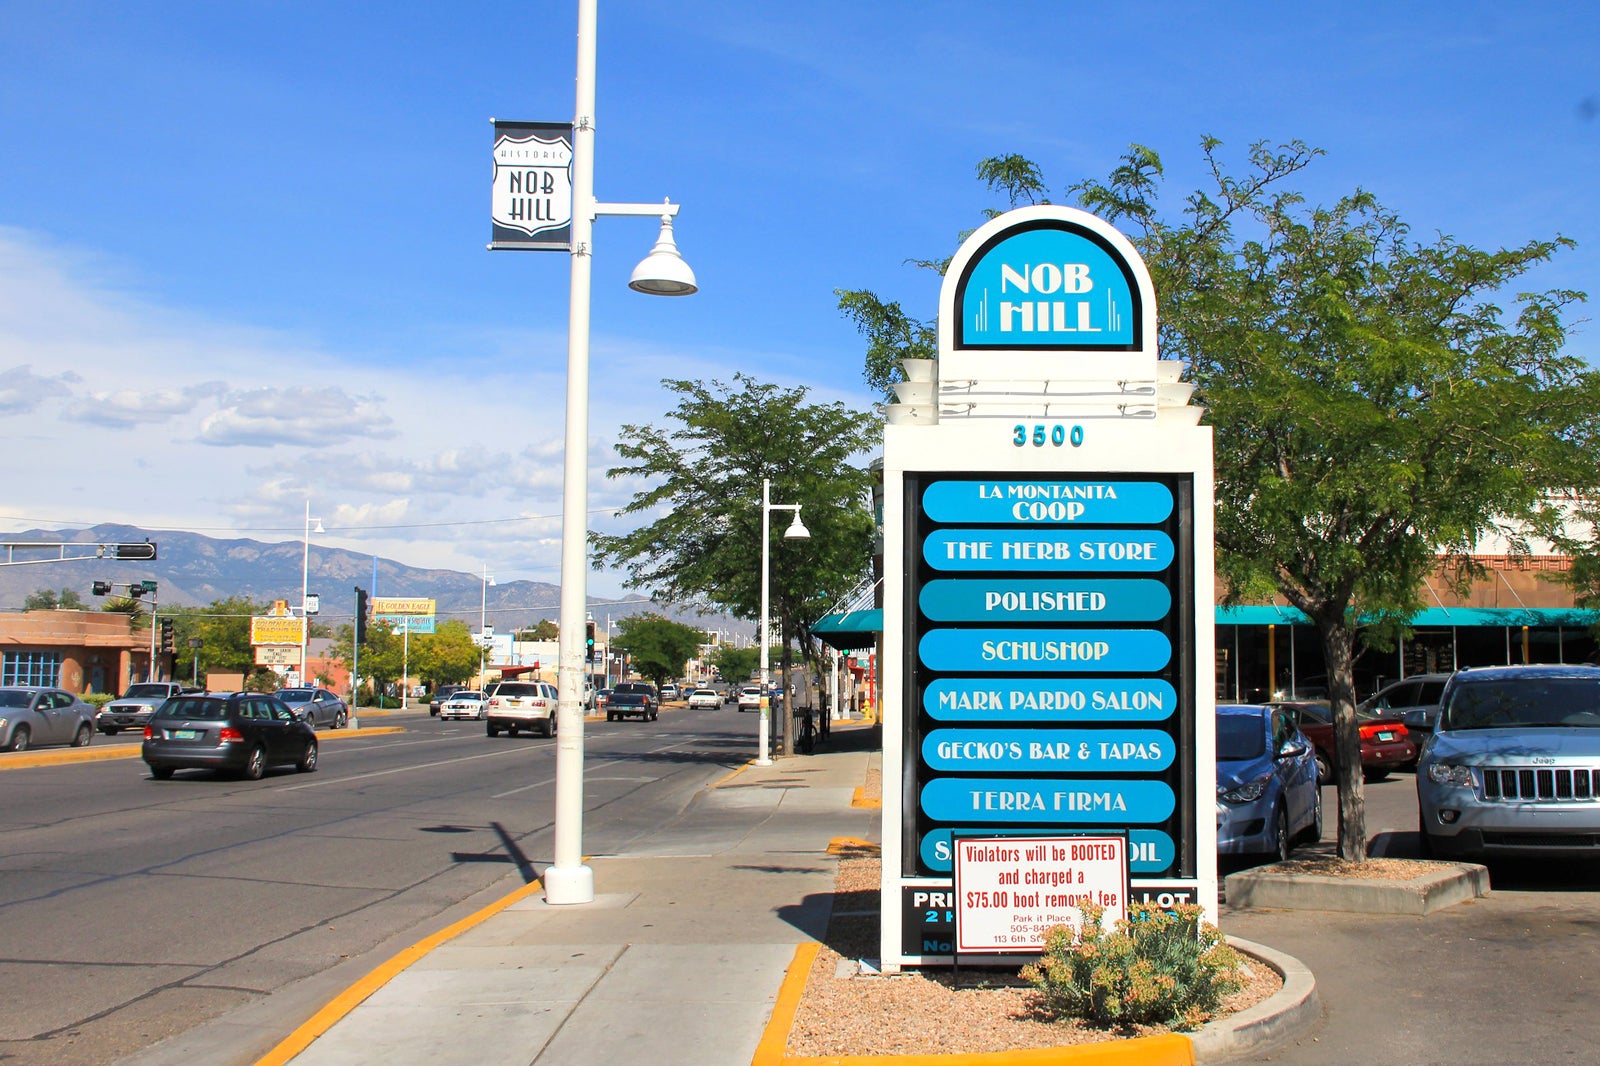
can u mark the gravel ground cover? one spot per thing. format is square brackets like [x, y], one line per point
[844, 1012]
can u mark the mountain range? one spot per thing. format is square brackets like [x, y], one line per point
[191, 570]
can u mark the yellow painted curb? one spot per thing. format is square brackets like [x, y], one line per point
[860, 798]
[382, 974]
[29, 759]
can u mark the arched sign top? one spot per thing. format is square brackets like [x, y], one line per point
[1047, 292]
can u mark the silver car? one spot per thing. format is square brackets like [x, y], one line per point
[30, 716]
[1513, 766]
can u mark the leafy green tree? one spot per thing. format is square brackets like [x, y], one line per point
[447, 656]
[736, 664]
[658, 647]
[704, 476]
[1373, 404]
[49, 600]
[382, 654]
[547, 629]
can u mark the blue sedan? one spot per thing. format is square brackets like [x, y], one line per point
[1267, 795]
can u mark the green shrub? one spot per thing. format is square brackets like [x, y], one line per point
[97, 700]
[1156, 966]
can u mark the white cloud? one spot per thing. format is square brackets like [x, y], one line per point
[130, 407]
[22, 391]
[266, 416]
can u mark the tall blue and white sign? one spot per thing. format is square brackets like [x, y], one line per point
[1048, 662]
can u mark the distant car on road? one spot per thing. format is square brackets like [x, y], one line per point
[750, 698]
[30, 716]
[242, 733]
[708, 699]
[468, 703]
[442, 693]
[635, 699]
[669, 691]
[132, 709]
[1513, 767]
[1267, 794]
[518, 705]
[316, 706]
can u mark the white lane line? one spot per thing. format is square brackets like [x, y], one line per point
[403, 769]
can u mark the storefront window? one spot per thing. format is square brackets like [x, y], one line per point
[31, 668]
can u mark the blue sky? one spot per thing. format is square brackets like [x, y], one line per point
[242, 245]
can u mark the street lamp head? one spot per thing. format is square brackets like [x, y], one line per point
[797, 529]
[663, 272]
[318, 527]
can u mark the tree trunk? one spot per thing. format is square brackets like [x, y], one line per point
[1337, 647]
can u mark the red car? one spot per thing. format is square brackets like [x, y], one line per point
[1386, 744]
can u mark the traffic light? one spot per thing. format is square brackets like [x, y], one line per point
[146, 550]
[100, 588]
[588, 645]
[361, 615]
[168, 637]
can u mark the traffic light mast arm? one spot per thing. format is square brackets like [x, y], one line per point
[67, 551]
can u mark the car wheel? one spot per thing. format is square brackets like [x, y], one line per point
[493, 730]
[81, 738]
[341, 719]
[610, 717]
[652, 716]
[1374, 775]
[1281, 844]
[308, 761]
[255, 764]
[549, 727]
[161, 773]
[1324, 769]
[20, 739]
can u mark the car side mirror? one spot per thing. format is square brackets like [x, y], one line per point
[1292, 750]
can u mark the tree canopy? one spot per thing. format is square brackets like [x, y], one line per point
[50, 600]
[657, 647]
[1374, 404]
[702, 495]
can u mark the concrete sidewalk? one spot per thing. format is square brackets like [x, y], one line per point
[679, 959]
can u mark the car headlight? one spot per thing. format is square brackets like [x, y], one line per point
[1445, 773]
[1247, 792]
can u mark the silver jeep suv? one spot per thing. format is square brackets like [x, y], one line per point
[1513, 766]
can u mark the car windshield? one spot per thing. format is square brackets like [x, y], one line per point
[1523, 703]
[296, 695]
[145, 691]
[190, 708]
[15, 698]
[467, 696]
[1240, 737]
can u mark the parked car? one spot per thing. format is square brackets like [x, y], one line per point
[749, 697]
[633, 699]
[1413, 700]
[243, 733]
[669, 691]
[1386, 745]
[316, 706]
[1513, 766]
[518, 705]
[442, 693]
[30, 716]
[708, 699]
[467, 703]
[132, 709]
[1267, 794]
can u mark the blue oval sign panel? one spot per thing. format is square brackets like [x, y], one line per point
[1048, 502]
[1078, 751]
[1011, 799]
[1056, 550]
[1135, 600]
[1030, 650]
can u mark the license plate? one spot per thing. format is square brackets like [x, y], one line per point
[185, 734]
[1385, 735]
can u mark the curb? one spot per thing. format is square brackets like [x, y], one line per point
[30, 760]
[1287, 1012]
[1266, 888]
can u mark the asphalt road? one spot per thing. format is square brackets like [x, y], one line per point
[1510, 977]
[133, 909]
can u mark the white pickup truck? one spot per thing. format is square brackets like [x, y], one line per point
[132, 710]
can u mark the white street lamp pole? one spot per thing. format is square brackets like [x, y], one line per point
[483, 626]
[305, 579]
[662, 273]
[796, 531]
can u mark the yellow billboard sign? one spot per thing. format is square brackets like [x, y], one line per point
[276, 630]
[401, 605]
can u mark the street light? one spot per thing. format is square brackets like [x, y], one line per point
[305, 575]
[796, 531]
[662, 273]
[483, 624]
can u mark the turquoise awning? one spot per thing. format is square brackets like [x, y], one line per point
[1428, 618]
[850, 630]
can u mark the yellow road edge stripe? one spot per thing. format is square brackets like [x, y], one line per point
[380, 975]
[775, 1038]
[29, 759]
